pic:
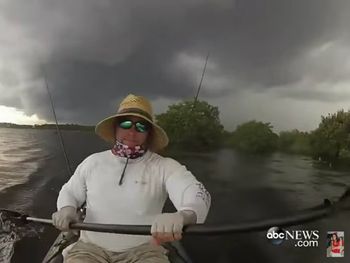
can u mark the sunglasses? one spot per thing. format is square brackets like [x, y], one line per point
[139, 125]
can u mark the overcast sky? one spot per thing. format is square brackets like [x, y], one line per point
[281, 61]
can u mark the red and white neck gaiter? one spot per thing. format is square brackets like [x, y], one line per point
[123, 150]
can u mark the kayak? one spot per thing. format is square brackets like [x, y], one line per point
[177, 253]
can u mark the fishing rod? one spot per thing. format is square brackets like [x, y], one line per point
[200, 82]
[69, 170]
[68, 166]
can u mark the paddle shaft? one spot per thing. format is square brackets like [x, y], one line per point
[200, 229]
[40, 220]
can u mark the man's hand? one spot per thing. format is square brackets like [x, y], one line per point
[62, 218]
[167, 227]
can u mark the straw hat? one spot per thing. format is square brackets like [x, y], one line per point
[135, 106]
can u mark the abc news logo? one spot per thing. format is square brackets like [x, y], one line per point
[302, 238]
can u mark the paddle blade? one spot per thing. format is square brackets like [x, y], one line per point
[14, 227]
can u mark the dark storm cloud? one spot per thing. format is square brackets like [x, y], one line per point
[95, 52]
[316, 95]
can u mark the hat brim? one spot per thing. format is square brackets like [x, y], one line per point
[106, 130]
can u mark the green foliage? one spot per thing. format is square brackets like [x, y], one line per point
[331, 140]
[254, 137]
[294, 142]
[192, 127]
[226, 138]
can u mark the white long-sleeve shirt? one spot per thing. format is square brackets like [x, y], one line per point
[147, 183]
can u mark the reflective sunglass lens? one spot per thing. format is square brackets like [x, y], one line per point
[125, 124]
[141, 127]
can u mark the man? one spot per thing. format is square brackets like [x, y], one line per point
[129, 184]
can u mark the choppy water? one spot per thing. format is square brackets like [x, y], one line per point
[21, 154]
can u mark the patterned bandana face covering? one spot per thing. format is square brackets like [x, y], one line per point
[123, 150]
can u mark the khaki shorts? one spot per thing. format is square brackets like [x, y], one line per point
[82, 252]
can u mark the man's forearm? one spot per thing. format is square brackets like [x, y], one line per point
[189, 216]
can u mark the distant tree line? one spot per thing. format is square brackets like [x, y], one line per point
[48, 126]
[197, 127]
